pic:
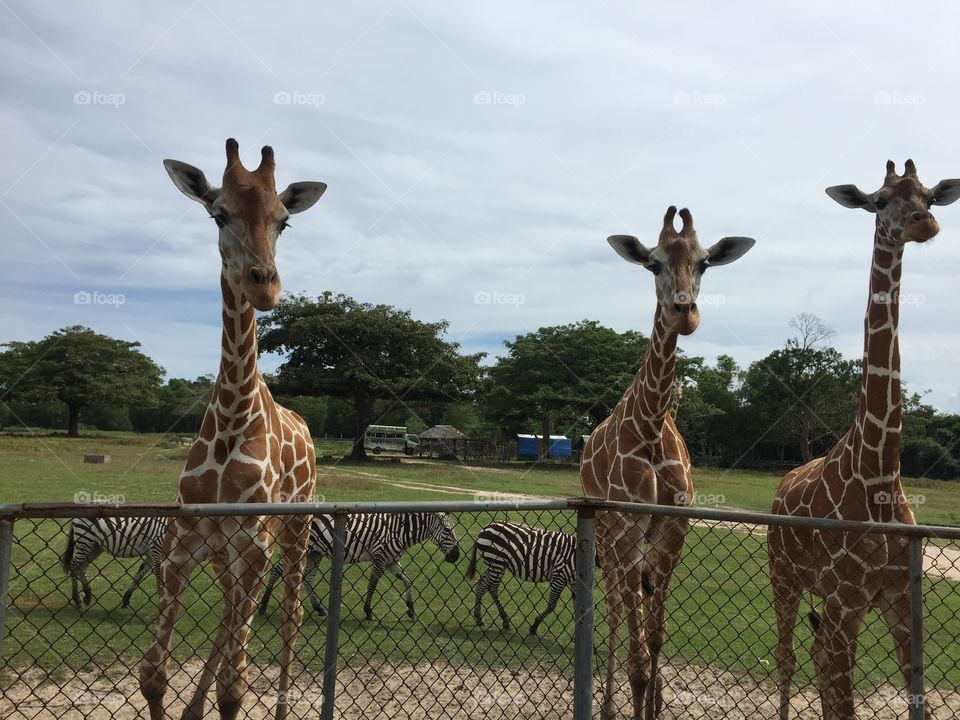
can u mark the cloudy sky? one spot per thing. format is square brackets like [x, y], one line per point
[477, 155]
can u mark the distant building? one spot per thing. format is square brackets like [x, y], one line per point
[443, 440]
[528, 447]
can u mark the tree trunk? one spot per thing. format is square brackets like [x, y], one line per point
[73, 425]
[362, 406]
[805, 453]
[545, 438]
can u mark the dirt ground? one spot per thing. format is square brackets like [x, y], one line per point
[435, 691]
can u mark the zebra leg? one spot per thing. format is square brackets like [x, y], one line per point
[78, 576]
[141, 571]
[376, 571]
[408, 588]
[480, 592]
[556, 587]
[495, 594]
[268, 590]
[309, 578]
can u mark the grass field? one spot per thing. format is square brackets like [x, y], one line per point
[720, 609]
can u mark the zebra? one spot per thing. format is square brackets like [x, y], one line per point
[381, 538]
[122, 537]
[530, 553]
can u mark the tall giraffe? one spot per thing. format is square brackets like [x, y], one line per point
[249, 449]
[859, 479]
[637, 455]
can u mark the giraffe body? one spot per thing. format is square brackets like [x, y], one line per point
[249, 449]
[858, 479]
[637, 455]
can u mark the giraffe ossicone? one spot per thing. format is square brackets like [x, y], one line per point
[859, 478]
[637, 455]
[249, 448]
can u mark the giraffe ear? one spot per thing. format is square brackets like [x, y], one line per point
[300, 196]
[729, 249]
[630, 249]
[945, 192]
[191, 182]
[851, 196]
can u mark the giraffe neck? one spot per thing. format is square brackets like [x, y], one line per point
[238, 380]
[652, 388]
[875, 437]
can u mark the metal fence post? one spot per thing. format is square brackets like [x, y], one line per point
[6, 544]
[917, 700]
[333, 616]
[583, 608]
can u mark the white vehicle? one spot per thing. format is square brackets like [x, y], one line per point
[392, 438]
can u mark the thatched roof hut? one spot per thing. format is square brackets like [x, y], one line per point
[445, 440]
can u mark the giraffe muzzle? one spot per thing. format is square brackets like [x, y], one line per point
[261, 286]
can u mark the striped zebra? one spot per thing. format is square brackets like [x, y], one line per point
[122, 537]
[382, 539]
[530, 553]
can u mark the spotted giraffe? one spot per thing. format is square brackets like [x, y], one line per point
[637, 455]
[859, 478]
[249, 449]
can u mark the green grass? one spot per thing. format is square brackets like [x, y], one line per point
[720, 609]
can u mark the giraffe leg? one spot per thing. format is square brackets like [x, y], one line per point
[896, 613]
[613, 584]
[667, 536]
[786, 601]
[408, 588]
[293, 546]
[196, 708]
[834, 651]
[141, 571]
[243, 576]
[175, 571]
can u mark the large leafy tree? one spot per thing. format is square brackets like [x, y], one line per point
[803, 396]
[337, 346]
[79, 368]
[574, 372]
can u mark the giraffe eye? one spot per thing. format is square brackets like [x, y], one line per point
[879, 203]
[654, 266]
[283, 226]
[220, 218]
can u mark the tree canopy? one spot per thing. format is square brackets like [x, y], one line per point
[337, 346]
[79, 368]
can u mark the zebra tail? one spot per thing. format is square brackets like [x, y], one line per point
[67, 556]
[472, 568]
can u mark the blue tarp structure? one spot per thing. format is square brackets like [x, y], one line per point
[528, 447]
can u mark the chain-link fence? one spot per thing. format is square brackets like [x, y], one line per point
[420, 652]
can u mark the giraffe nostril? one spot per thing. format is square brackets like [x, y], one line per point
[682, 308]
[262, 276]
[921, 215]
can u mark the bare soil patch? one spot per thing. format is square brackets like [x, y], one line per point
[434, 690]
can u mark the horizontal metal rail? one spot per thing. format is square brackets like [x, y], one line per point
[71, 510]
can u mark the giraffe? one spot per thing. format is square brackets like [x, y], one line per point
[859, 478]
[249, 449]
[637, 455]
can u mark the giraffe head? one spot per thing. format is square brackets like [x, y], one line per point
[678, 262]
[902, 204]
[250, 215]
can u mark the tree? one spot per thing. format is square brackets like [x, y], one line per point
[79, 368]
[180, 407]
[340, 347]
[575, 372]
[802, 396]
